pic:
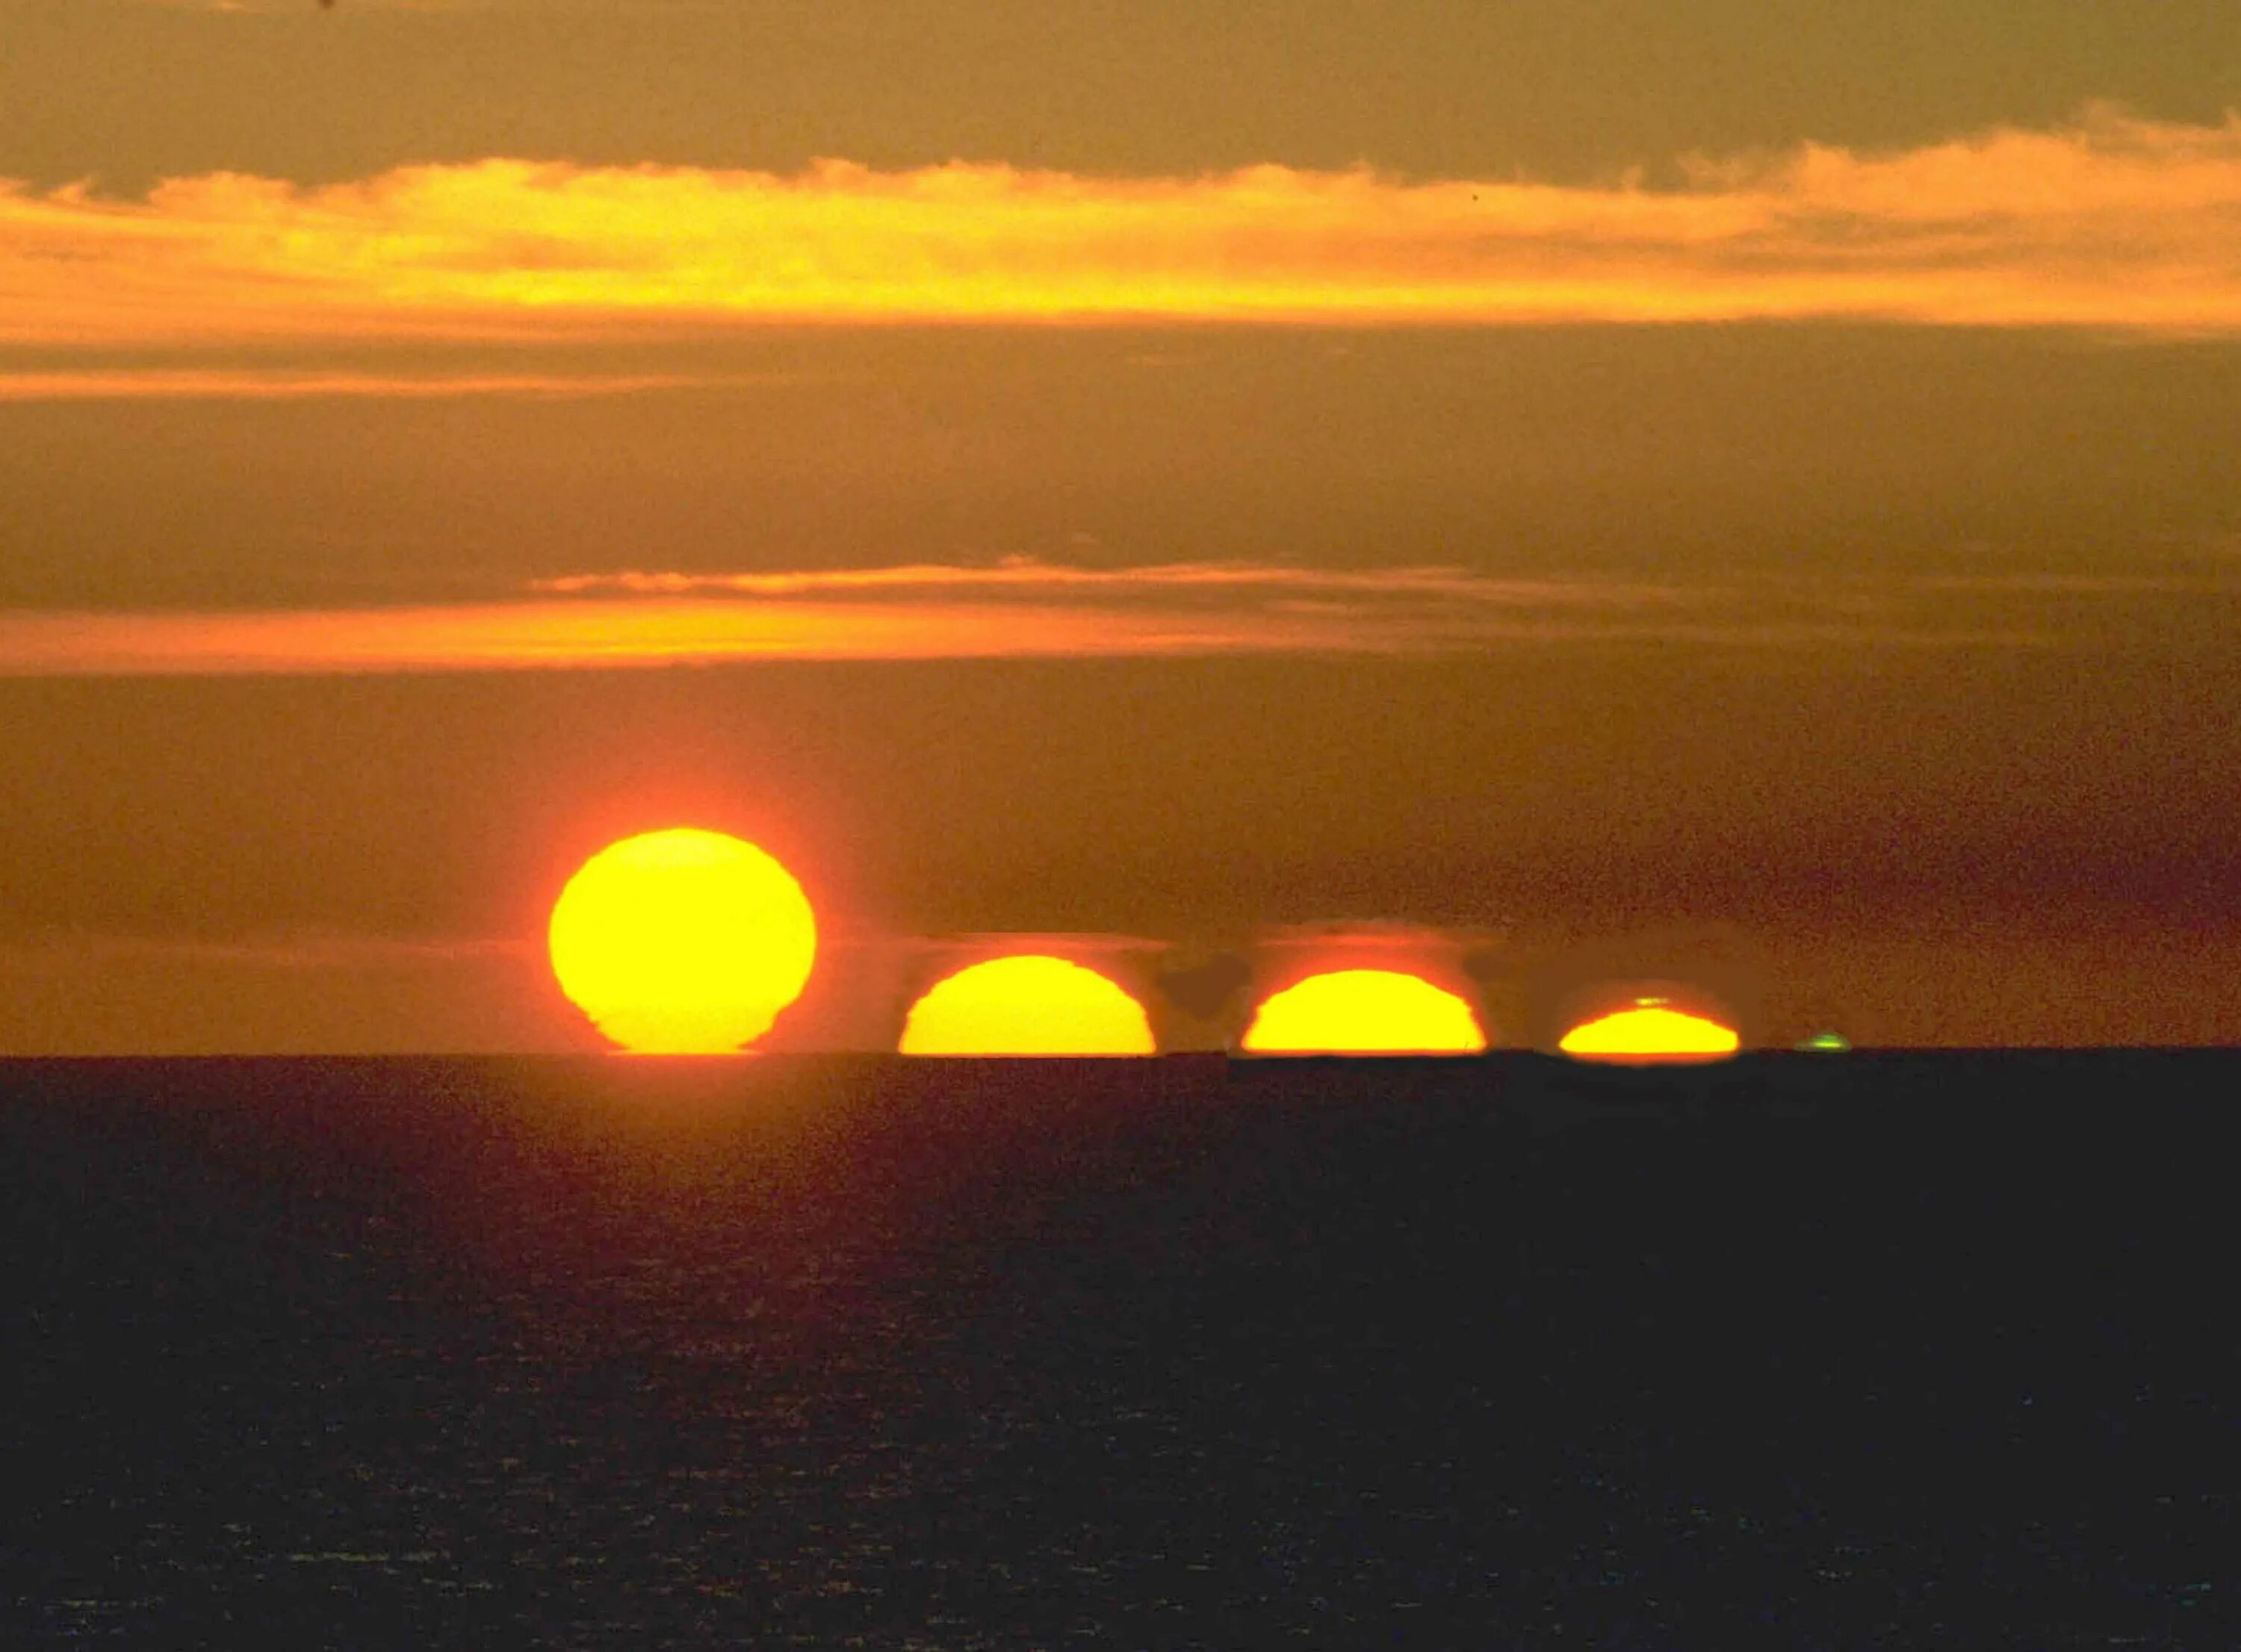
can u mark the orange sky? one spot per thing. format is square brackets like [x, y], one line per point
[1579, 477]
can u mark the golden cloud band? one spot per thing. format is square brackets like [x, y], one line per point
[2113, 222]
[1028, 610]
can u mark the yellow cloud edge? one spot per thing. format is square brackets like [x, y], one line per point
[2113, 221]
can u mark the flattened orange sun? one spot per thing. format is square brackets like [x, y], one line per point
[1364, 1012]
[1026, 1006]
[1649, 1033]
[683, 941]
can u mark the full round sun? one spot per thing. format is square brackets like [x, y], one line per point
[683, 941]
[1364, 1012]
[1026, 1006]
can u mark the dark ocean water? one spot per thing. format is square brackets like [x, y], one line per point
[1815, 1352]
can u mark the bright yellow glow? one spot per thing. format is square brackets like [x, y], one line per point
[1649, 1033]
[1026, 1006]
[682, 941]
[2110, 222]
[1364, 1012]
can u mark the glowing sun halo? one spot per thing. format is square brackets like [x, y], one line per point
[1647, 1034]
[1364, 1012]
[682, 941]
[1026, 1006]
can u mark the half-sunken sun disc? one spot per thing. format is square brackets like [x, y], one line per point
[682, 941]
[1650, 1034]
[1364, 1012]
[1026, 1006]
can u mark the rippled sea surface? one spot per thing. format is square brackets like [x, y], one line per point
[1816, 1352]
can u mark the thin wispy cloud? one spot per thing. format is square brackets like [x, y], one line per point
[308, 9]
[2083, 585]
[2114, 222]
[187, 384]
[1028, 575]
[1018, 611]
[323, 951]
